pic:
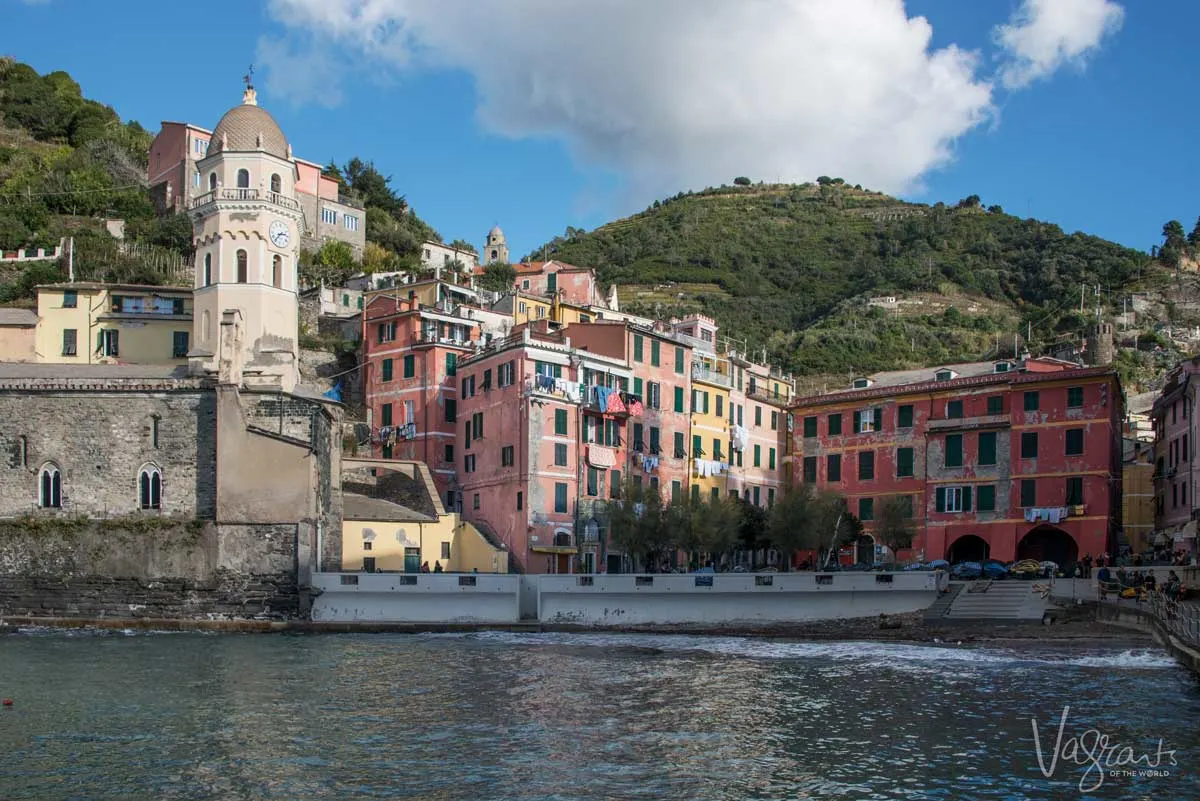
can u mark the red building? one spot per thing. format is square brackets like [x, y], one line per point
[410, 383]
[1007, 460]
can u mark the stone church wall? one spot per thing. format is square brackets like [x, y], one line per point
[137, 567]
[100, 440]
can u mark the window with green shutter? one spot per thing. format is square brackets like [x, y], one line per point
[986, 500]
[451, 407]
[866, 509]
[680, 450]
[679, 399]
[451, 364]
[695, 493]
[1032, 401]
[676, 489]
[833, 467]
[639, 442]
[385, 417]
[387, 370]
[560, 497]
[835, 425]
[987, 447]
[560, 454]
[560, 422]
[655, 442]
[810, 469]
[878, 419]
[866, 465]
[410, 366]
[637, 387]
[1074, 490]
[954, 409]
[637, 347]
[654, 352]
[593, 482]
[1028, 492]
[954, 450]
[810, 427]
[720, 406]
[904, 462]
[1029, 445]
[679, 361]
[716, 451]
[904, 416]
[697, 446]
[1074, 397]
[995, 404]
[771, 459]
[758, 455]
[1074, 441]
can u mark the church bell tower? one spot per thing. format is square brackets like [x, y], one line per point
[246, 228]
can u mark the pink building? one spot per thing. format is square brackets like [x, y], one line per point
[410, 382]
[1174, 416]
[174, 178]
[572, 284]
[541, 445]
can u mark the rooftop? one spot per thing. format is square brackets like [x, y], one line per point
[18, 318]
[361, 507]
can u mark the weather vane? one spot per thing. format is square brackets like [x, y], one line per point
[249, 77]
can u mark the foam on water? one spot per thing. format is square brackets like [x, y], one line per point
[899, 656]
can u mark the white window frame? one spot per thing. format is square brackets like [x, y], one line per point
[866, 421]
[954, 500]
[350, 222]
[328, 216]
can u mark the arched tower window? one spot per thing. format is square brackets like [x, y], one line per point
[212, 182]
[150, 487]
[276, 184]
[206, 327]
[243, 179]
[242, 267]
[50, 487]
[208, 269]
[277, 272]
[495, 254]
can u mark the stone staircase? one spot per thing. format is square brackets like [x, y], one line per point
[942, 605]
[996, 600]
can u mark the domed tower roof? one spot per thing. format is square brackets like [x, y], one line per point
[249, 127]
[495, 231]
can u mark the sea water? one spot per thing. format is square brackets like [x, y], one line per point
[112, 715]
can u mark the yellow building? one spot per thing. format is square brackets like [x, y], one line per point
[528, 308]
[381, 535]
[1137, 494]
[18, 332]
[91, 323]
[710, 451]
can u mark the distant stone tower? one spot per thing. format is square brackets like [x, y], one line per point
[496, 248]
[1101, 353]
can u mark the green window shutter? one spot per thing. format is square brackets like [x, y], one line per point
[758, 455]
[655, 443]
[966, 499]
[451, 363]
[679, 361]
[941, 499]
[771, 459]
[879, 419]
[987, 447]
[904, 416]
[904, 462]
[410, 366]
[995, 404]
[679, 399]
[696, 445]
[654, 352]
[451, 410]
[857, 422]
[706, 403]
[954, 450]
[986, 499]
[387, 369]
[560, 422]
[637, 387]
[835, 424]
[637, 347]
[679, 446]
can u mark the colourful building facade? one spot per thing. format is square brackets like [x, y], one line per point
[92, 323]
[994, 460]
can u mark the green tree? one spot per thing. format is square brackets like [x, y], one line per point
[378, 259]
[1194, 237]
[498, 277]
[1174, 242]
[719, 525]
[741, 180]
[793, 523]
[462, 244]
[895, 526]
[332, 264]
[637, 525]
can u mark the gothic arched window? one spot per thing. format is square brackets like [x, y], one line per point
[212, 182]
[242, 267]
[150, 487]
[243, 179]
[277, 272]
[276, 183]
[208, 269]
[50, 487]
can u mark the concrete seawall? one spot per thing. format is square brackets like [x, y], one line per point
[620, 600]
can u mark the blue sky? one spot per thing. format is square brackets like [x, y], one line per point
[543, 114]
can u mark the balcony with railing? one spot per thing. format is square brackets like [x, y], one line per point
[702, 372]
[760, 392]
[244, 194]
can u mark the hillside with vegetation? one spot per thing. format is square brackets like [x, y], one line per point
[68, 163]
[792, 268]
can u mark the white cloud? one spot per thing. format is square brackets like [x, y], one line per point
[1044, 35]
[670, 94]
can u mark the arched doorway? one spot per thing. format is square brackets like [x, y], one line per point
[864, 550]
[968, 548]
[1048, 544]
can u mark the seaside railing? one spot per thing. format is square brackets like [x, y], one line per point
[1180, 618]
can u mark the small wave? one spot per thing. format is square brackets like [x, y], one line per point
[899, 656]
